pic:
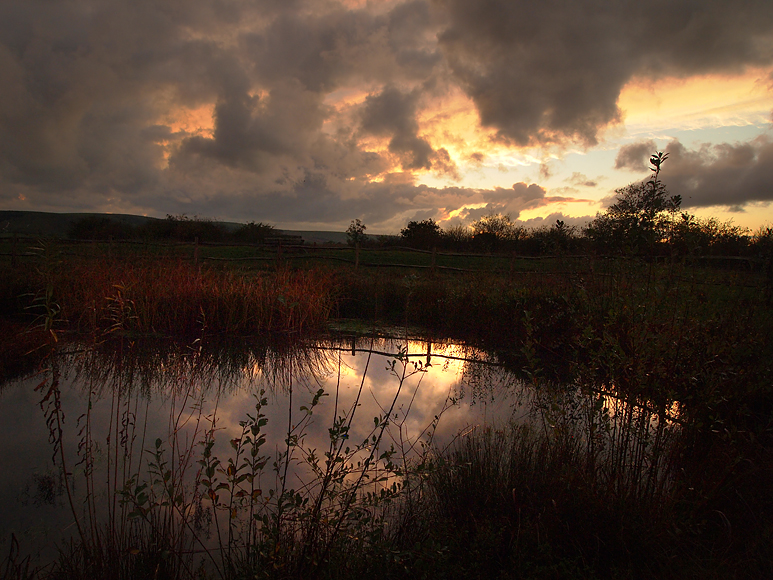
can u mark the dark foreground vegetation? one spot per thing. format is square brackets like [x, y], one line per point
[651, 453]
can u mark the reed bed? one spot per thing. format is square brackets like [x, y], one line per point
[178, 298]
[578, 492]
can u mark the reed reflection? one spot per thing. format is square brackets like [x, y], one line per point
[336, 415]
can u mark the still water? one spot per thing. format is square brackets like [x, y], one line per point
[98, 412]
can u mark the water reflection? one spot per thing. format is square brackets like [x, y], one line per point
[105, 406]
[323, 411]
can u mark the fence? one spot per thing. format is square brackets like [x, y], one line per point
[276, 251]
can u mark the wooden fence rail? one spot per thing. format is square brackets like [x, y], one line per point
[295, 252]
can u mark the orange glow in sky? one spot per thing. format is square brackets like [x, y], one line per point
[697, 102]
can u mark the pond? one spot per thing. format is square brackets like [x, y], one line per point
[102, 414]
[222, 447]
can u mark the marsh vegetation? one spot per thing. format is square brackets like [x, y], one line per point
[624, 402]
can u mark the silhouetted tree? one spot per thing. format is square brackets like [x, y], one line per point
[495, 232]
[355, 233]
[557, 239]
[500, 225]
[424, 234]
[641, 217]
[695, 236]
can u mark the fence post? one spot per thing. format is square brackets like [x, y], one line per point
[434, 258]
[356, 255]
[279, 254]
[13, 251]
[196, 251]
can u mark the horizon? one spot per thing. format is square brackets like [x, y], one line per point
[578, 230]
[308, 115]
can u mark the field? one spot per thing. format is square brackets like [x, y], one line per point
[673, 483]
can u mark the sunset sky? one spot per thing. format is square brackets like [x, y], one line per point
[306, 114]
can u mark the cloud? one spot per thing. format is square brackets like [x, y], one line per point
[442, 164]
[521, 196]
[312, 113]
[553, 71]
[392, 113]
[92, 90]
[578, 178]
[727, 174]
[325, 46]
[549, 221]
[249, 130]
[635, 156]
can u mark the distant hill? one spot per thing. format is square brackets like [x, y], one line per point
[319, 237]
[56, 225]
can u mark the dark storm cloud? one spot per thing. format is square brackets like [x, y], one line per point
[325, 50]
[100, 99]
[635, 156]
[725, 175]
[553, 70]
[81, 84]
[316, 199]
[392, 113]
[249, 130]
[85, 85]
[442, 164]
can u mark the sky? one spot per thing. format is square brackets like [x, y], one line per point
[308, 114]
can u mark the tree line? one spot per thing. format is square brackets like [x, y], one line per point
[179, 228]
[620, 230]
[644, 220]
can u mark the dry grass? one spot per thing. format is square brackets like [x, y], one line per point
[176, 298]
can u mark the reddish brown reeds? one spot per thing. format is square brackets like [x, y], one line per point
[173, 297]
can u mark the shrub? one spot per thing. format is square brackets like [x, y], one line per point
[424, 234]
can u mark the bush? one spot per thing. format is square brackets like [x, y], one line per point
[184, 229]
[424, 234]
[96, 227]
[253, 233]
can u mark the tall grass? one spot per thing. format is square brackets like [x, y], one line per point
[178, 298]
[206, 501]
[582, 489]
